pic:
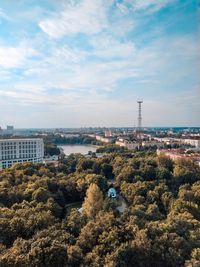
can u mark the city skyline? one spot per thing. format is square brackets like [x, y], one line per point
[86, 63]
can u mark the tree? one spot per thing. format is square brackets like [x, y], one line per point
[186, 171]
[51, 149]
[93, 202]
[163, 173]
[159, 227]
[74, 222]
[106, 170]
[165, 162]
[195, 259]
[41, 195]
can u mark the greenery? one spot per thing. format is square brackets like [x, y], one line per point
[111, 149]
[41, 224]
[51, 149]
[73, 140]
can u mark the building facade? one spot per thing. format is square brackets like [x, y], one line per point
[126, 143]
[14, 151]
[192, 142]
[104, 139]
[175, 154]
[180, 141]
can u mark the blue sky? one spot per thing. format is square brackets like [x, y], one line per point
[75, 63]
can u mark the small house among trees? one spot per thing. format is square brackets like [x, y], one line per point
[112, 193]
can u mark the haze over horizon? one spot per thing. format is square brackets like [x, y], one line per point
[85, 63]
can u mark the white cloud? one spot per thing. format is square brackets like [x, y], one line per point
[88, 17]
[65, 54]
[14, 57]
[149, 6]
[3, 15]
[143, 6]
[108, 56]
[107, 47]
[78, 71]
[4, 74]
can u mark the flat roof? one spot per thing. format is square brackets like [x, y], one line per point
[21, 139]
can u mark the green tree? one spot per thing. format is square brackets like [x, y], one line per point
[165, 162]
[93, 202]
[41, 195]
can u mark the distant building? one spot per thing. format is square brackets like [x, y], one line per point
[180, 141]
[108, 133]
[14, 151]
[152, 143]
[126, 143]
[180, 153]
[192, 142]
[10, 128]
[167, 140]
[104, 139]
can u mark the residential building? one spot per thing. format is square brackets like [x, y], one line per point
[108, 133]
[152, 143]
[180, 153]
[192, 142]
[126, 143]
[14, 151]
[104, 139]
[181, 141]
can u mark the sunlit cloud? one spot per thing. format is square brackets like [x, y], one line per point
[14, 57]
[93, 59]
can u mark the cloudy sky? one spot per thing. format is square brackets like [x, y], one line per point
[73, 63]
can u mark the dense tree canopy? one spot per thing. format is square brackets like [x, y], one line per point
[51, 149]
[41, 223]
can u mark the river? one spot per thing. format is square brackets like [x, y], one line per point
[82, 149]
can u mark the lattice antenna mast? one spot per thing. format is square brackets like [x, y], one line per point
[139, 119]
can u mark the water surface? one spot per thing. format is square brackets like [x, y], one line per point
[82, 149]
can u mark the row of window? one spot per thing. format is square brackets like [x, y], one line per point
[20, 143]
[20, 156]
[2, 146]
[20, 151]
[20, 147]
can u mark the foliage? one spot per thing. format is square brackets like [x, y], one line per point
[93, 202]
[111, 149]
[41, 225]
[72, 140]
[51, 149]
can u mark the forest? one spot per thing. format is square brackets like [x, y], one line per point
[61, 216]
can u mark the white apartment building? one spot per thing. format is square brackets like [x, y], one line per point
[126, 143]
[186, 141]
[104, 139]
[192, 142]
[14, 151]
[152, 143]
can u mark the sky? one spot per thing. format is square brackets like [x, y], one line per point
[81, 63]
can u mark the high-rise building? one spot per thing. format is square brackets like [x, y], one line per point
[10, 128]
[14, 151]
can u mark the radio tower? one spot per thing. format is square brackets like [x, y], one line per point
[140, 120]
